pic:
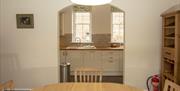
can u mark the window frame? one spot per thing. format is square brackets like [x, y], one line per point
[123, 40]
[74, 27]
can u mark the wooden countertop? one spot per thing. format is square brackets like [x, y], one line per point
[97, 48]
[87, 87]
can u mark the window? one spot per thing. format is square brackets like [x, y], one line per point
[117, 35]
[81, 27]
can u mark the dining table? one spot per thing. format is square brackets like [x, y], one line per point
[80, 86]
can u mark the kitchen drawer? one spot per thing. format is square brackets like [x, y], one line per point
[169, 53]
[112, 61]
[115, 53]
[111, 65]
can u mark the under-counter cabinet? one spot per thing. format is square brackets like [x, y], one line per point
[74, 57]
[170, 64]
[93, 59]
[111, 62]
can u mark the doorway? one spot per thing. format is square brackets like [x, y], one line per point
[105, 50]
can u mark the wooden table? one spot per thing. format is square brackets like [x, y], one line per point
[86, 87]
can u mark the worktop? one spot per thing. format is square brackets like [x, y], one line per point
[97, 48]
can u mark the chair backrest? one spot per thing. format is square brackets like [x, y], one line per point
[7, 85]
[87, 75]
[171, 86]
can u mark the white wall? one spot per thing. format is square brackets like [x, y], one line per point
[101, 19]
[30, 56]
[143, 38]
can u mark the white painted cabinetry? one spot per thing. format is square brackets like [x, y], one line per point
[76, 58]
[93, 59]
[110, 61]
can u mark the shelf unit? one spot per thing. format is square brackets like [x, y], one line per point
[170, 61]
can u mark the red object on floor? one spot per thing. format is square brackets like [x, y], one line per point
[155, 82]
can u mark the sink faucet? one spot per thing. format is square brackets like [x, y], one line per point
[78, 40]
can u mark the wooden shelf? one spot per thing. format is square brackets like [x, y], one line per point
[170, 38]
[169, 76]
[169, 61]
[169, 27]
[169, 48]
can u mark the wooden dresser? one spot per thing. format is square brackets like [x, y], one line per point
[170, 61]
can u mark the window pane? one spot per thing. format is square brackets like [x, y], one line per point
[78, 20]
[86, 20]
[86, 28]
[81, 27]
[117, 27]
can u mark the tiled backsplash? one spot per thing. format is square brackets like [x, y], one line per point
[99, 40]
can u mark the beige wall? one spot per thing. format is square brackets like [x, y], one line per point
[142, 38]
[101, 19]
[30, 56]
[67, 11]
[0, 28]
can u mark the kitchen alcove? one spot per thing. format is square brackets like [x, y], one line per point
[101, 52]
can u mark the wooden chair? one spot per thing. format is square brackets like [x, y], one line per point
[171, 86]
[87, 75]
[9, 85]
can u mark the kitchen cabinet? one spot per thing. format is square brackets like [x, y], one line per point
[76, 58]
[93, 59]
[110, 61]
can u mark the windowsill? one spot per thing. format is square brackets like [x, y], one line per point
[82, 42]
[116, 42]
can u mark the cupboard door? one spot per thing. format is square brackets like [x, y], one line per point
[76, 59]
[111, 61]
[98, 59]
[93, 59]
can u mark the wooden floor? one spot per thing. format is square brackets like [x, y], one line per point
[114, 79]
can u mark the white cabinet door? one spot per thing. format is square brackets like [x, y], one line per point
[121, 60]
[93, 59]
[75, 58]
[98, 59]
[78, 58]
[111, 61]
